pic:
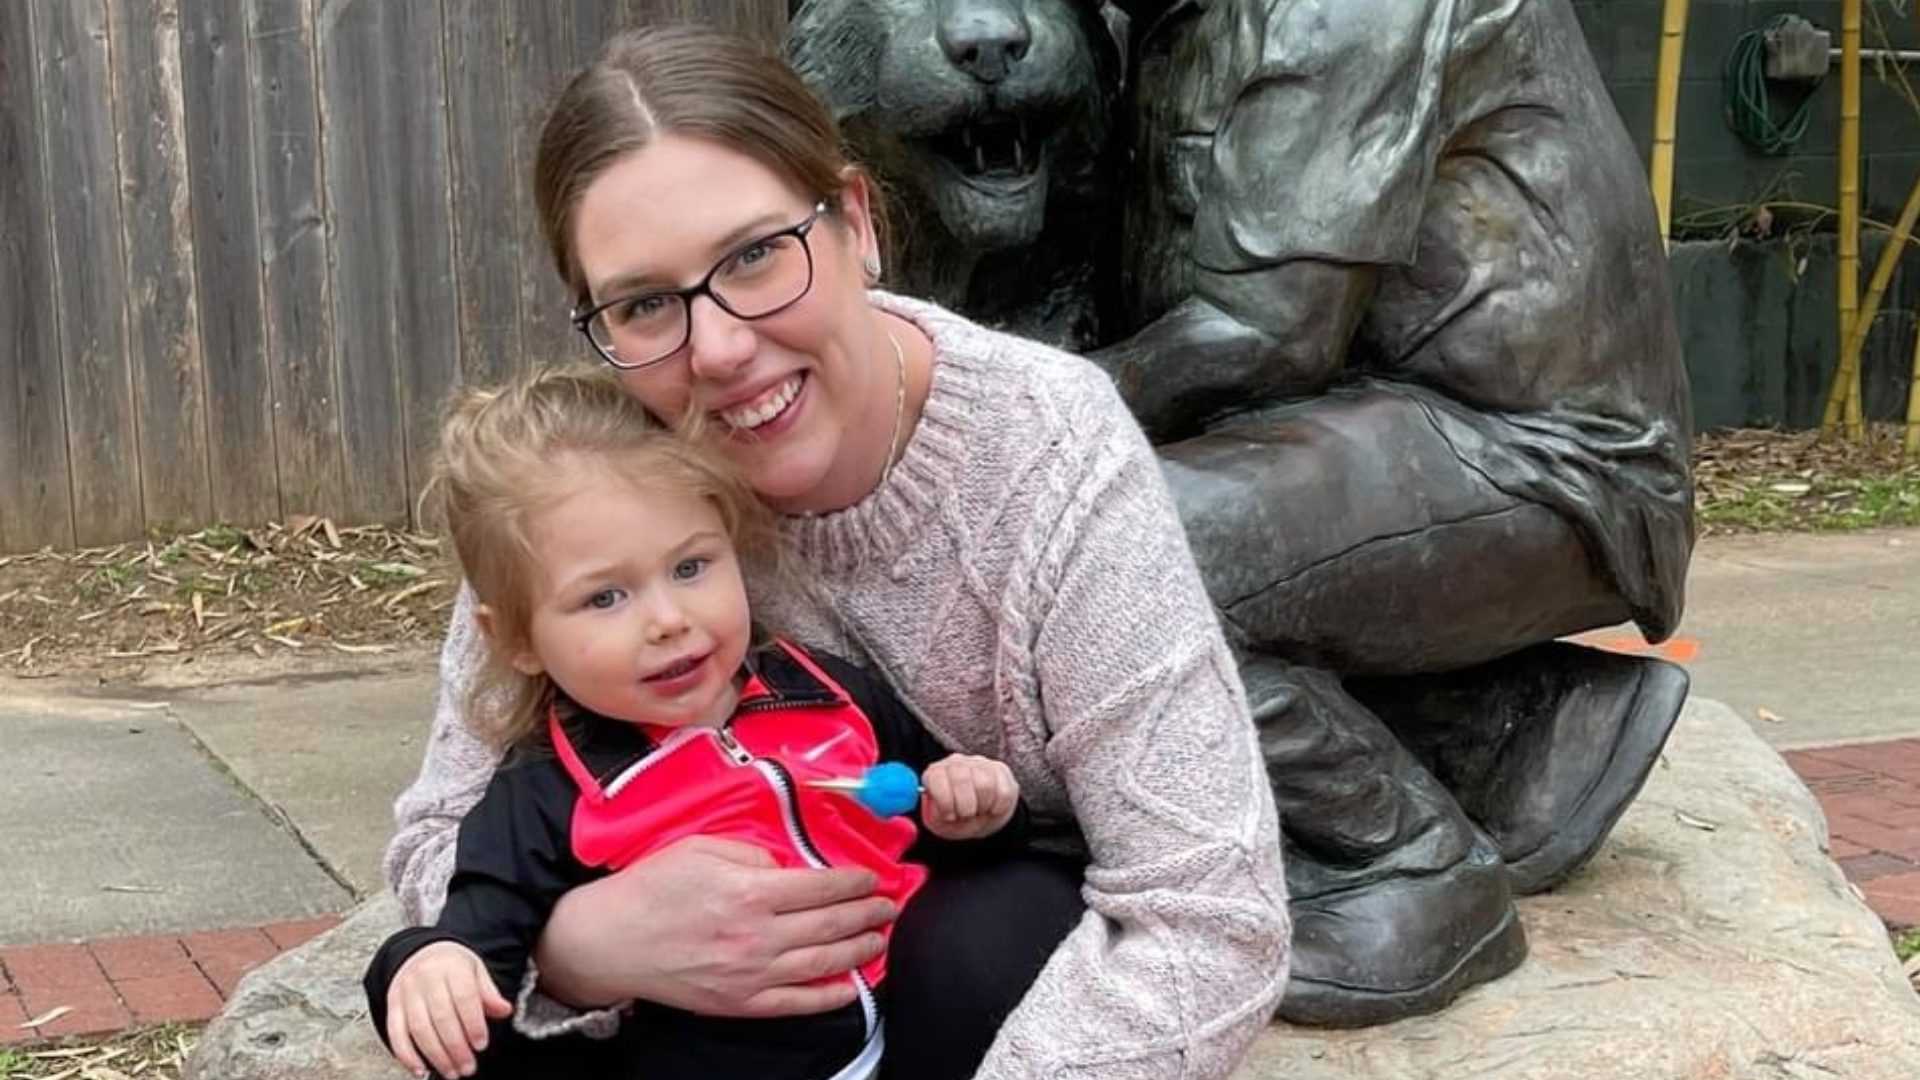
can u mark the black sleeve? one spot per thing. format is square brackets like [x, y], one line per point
[513, 862]
[903, 738]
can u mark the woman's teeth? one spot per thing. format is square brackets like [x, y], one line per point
[764, 408]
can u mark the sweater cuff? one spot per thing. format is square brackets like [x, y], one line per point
[538, 1016]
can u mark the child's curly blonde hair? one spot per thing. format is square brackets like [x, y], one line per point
[511, 451]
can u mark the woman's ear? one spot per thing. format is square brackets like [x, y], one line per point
[523, 660]
[856, 209]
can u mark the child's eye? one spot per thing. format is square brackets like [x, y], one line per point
[688, 569]
[605, 598]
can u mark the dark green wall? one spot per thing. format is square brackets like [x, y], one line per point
[1759, 319]
[1712, 166]
[1758, 324]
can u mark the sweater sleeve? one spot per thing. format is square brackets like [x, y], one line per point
[1182, 955]
[454, 773]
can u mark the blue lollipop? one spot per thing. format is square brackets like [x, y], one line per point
[889, 789]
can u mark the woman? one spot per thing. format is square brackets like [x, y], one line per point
[984, 525]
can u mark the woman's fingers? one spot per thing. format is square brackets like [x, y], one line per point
[800, 1000]
[781, 891]
[810, 963]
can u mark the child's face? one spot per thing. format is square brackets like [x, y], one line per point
[639, 612]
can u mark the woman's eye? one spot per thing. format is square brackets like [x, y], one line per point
[641, 308]
[688, 569]
[605, 598]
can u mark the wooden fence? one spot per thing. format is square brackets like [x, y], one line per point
[246, 246]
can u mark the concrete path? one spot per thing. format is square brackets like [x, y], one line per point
[1822, 631]
[171, 833]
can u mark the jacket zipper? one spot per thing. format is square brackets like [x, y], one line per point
[783, 786]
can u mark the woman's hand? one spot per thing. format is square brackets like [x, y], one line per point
[967, 797]
[437, 1010]
[714, 926]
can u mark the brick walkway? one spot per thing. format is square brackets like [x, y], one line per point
[1871, 794]
[115, 984]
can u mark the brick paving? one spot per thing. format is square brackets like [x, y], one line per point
[1871, 795]
[111, 985]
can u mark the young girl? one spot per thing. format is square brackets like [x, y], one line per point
[606, 554]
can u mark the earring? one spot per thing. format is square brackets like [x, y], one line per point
[872, 266]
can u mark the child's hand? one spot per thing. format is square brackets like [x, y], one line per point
[437, 1010]
[967, 797]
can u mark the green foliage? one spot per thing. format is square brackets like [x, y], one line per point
[1906, 944]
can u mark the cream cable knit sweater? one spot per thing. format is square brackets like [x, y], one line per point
[1023, 581]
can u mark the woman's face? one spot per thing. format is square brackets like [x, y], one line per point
[803, 399]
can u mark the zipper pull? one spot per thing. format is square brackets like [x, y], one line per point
[732, 745]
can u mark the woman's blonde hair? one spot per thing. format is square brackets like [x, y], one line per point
[510, 451]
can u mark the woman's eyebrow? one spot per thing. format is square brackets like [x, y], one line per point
[772, 221]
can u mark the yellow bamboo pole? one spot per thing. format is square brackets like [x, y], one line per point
[1845, 394]
[1882, 277]
[1673, 38]
[1910, 446]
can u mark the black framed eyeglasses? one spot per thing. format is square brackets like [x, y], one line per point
[759, 278]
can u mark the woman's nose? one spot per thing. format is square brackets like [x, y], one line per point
[718, 342]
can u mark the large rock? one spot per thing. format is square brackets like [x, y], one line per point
[1712, 938]
[302, 1015]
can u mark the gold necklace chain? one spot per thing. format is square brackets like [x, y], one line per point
[899, 408]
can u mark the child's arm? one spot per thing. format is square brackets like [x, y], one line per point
[514, 862]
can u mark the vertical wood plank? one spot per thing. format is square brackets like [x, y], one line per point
[227, 259]
[395, 321]
[485, 211]
[91, 268]
[163, 337]
[427, 332]
[540, 58]
[593, 22]
[765, 20]
[293, 258]
[35, 505]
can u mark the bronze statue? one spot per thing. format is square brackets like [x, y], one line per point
[1394, 306]
[996, 141]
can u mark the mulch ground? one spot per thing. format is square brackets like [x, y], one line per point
[282, 590]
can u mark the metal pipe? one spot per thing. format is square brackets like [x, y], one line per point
[1903, 56]
[1673, 36]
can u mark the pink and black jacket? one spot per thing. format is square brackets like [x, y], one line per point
[613, 793]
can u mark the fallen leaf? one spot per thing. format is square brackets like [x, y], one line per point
[1790, 488]
[1769, 715]
[1692, 822]
[49, 1016]
[400, 569]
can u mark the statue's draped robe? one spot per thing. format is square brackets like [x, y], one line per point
[1466, 149]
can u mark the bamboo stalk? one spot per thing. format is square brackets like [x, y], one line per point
[1844, 397]
[1910, 445]
[1673, 37]
[1855, 342]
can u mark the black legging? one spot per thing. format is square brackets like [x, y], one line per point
[966, 949]
[964, 953]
